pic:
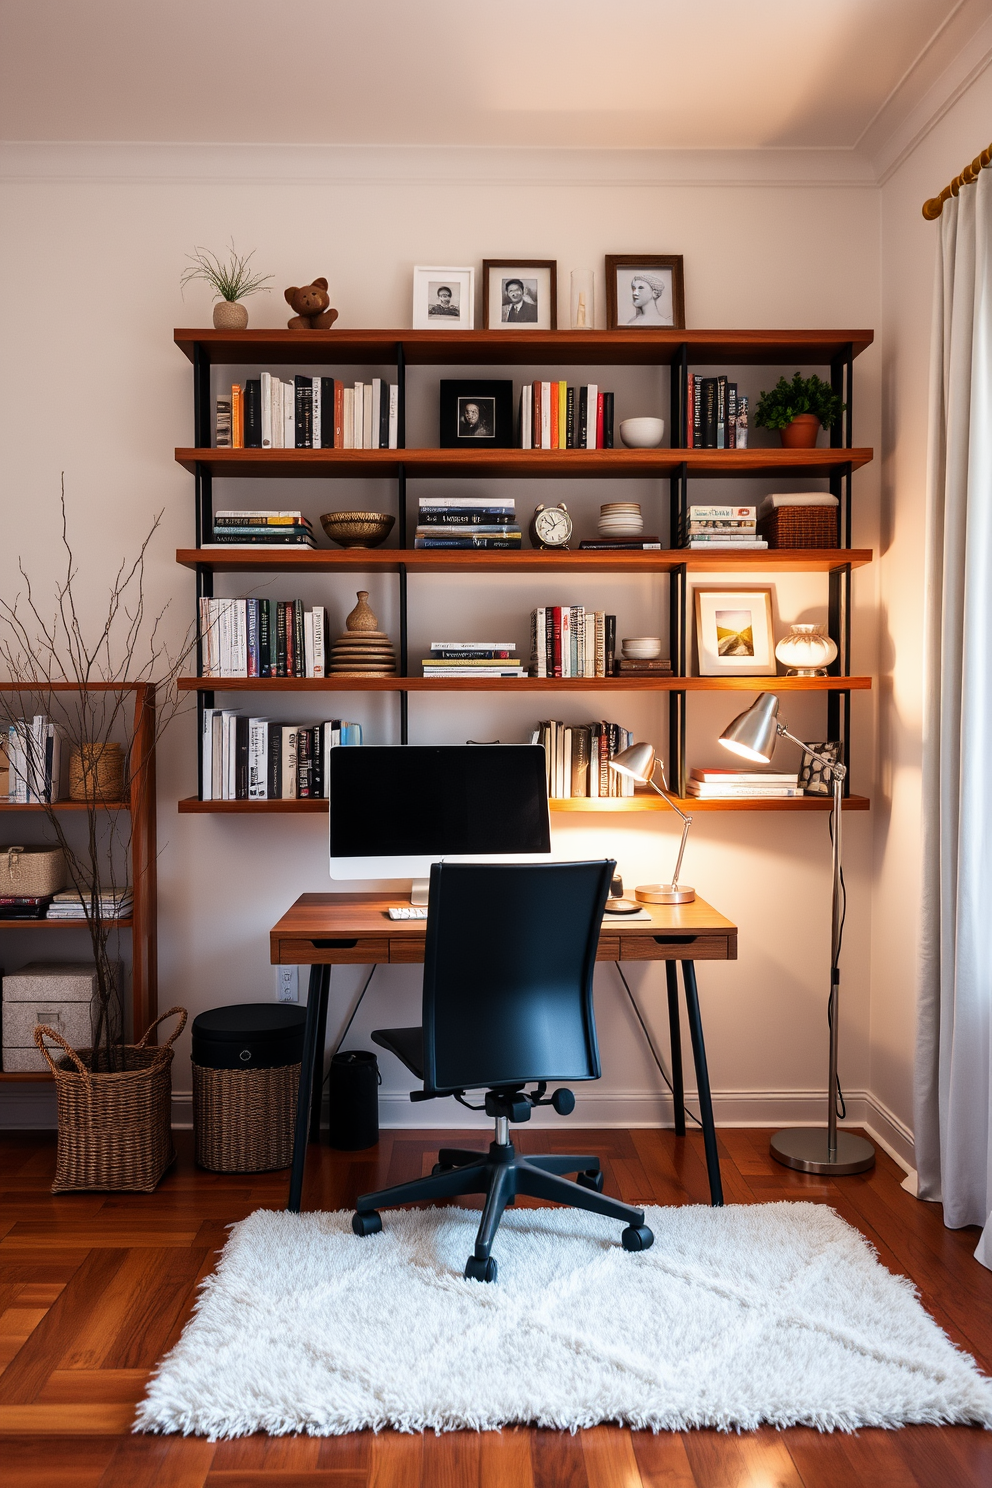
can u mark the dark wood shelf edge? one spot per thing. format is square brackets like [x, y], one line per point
[192, 806]
[27, 1077]
[529, 560]
[524, 685]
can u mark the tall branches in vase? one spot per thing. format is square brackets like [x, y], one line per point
[105, 683]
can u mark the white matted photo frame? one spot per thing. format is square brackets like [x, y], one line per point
[734, 632]
[443, 298]
[520, 293]
[644, 291]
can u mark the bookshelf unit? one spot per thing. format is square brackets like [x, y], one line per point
[677, 349]
[140, 802]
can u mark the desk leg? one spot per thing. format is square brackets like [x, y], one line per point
[675, 1032]
[317, 1093]
[300, 1134]
[702, 1083]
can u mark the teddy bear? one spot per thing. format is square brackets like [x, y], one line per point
[310, 303]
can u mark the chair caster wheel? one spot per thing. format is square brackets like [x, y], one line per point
[476, 1270]
[637, 1237]
[593, 1179]
[367, 1223]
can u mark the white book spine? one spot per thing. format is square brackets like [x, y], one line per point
[566, 640]
[265, 397]
[592, 400]
[206, 754]
[223, 638]
[289, 415]
[367, 416]
[289, 741]
[308, 643]
[258, 759]
[545, 415]
[228, 736]
[316, 426]
[394, 415]
[318, 629]
[239, 638]
[348, 416]
[275, 411]
[376, 416]
[538, 642]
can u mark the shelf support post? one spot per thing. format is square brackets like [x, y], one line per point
[679, 393]
[677, 645]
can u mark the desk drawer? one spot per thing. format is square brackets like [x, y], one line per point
[609, 948]
[362, 950]
[672, 947]
[407, 950]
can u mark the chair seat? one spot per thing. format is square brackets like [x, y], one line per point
[406, 1043]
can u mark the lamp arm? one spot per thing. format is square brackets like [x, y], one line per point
[836, 769]
[686, 823]
[677, 809]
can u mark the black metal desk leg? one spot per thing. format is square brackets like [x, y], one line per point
[702, 1083]
[317, 1093]
[300, 1132]
[675, 1034]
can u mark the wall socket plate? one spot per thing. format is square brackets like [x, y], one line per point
[287, 984]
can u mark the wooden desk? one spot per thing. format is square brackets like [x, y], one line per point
[325, 930]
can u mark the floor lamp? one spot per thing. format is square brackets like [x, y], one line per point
[753, 735]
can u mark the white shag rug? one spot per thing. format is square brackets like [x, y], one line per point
[775, 1313]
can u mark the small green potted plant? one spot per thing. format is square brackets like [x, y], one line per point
[797, 409]
[231, 282]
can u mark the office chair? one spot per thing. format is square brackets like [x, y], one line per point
[508, 967]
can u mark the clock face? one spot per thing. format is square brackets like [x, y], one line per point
[553, 526]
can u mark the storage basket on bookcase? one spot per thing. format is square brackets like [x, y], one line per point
[32, 871]
[115, 1127]
[243, 1118]
[800, 527]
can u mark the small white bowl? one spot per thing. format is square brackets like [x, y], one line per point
[641, 648]
[642, 433]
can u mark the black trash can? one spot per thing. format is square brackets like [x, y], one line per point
[246, 1075]
[354, 1100]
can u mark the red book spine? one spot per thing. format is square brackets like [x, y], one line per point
[338, 413]
[599, 421]
[556, 640]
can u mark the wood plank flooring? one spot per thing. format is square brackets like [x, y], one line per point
[95, 1287]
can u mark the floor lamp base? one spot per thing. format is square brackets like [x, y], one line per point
[805, 1148]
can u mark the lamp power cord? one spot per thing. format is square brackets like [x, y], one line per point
[650, 1043]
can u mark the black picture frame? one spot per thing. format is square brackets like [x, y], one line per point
[491, 427]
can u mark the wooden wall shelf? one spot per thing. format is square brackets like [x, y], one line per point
[530, 560]
[192, 806]
[524, 685]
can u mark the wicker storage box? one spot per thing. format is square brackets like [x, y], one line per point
[32, 871]
[115, 1128]
[800, 527]
[243, 1118]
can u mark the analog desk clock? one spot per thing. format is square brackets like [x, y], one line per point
[551, 527]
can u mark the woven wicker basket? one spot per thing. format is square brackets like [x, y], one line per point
[32, 870]
[115, 1129]
[96, 773]
[800, 527]
[243, 1118]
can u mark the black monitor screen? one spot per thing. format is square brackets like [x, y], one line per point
[421, 800]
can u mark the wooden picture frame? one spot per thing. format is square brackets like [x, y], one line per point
[537, 300]
[660, 305]
[734, 634]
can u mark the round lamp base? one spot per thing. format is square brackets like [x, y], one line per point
[664, 894]
[805, 1148]
[622, 906]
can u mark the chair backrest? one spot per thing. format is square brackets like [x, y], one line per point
[508, 969]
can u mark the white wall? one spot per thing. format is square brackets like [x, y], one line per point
[91, 384]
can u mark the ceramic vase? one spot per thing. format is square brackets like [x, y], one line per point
[230, 315]
[806, 651]
[802, 432]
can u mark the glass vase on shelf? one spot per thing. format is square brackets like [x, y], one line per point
[583, 302]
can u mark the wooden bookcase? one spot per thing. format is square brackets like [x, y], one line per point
[677, 349]
[140, 802]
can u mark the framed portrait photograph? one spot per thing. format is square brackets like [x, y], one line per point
[520, 292]
[443, 299]
[644, 291]
[734, 632]
[476, 413]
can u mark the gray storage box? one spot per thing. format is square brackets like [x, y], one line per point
[59, 993]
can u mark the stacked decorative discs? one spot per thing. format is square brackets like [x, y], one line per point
[621, 519]
[363, 650]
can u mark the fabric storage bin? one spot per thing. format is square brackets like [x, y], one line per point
[32, 871]
[57, 993]
[246, 1075]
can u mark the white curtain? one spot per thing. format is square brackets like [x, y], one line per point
[954, 1042]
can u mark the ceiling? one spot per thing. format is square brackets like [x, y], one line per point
[624, 73]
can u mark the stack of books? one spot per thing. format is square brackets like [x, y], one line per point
[473, 659]
[467, 522]
[114, 904]
[735, 785]
[260, 759]
[267, 529]
[723, 527]
[24, 906]
[34, 760]
[556, 416]
[578, 757]
[717, 414]
[571, 641]
[308, 413]
[262, 638]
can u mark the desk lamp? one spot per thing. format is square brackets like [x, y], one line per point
[753, 735]
[639, 763]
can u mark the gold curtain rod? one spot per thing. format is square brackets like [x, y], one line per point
[933, 208]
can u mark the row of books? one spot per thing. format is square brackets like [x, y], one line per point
[262, 759]
[473, 659]
[467, 522]
[578, 759]
[571, 641]
[262, 638]
[33, 750]
[721, 527]
[308, 413]
[717, 414]
[732, 785]
[112, 905]
[267, 529]
[556, 416]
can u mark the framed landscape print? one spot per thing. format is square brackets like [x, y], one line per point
[443, 299]
[476, 413]
[520, 292]
[734, 632]
[644, 291]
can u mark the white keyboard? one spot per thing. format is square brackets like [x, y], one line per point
[406, 912]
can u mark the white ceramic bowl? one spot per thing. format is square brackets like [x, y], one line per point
[642, 433]
[641, 648]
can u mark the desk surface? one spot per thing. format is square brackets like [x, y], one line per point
[331, 929]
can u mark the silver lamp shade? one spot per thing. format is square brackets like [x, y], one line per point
[637, 761]
[753, 733]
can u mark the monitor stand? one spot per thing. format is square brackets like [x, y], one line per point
[419, 890]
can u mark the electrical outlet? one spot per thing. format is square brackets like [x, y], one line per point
[287, 984]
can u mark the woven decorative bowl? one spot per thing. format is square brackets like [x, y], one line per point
[357, 529]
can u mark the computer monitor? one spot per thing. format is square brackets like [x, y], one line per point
[396, 810]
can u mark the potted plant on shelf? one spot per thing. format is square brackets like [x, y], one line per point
[797, 409]
[231, 282]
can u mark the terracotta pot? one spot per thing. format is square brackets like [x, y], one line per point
[802, 432]
[230, 315]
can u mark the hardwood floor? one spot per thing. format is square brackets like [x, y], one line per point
[95, 1287]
